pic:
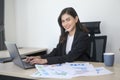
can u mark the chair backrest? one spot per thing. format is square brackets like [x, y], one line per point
[93, 27]
[97, 48]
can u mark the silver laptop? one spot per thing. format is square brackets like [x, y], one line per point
[14, 54]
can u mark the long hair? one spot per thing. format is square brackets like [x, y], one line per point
[72, 12]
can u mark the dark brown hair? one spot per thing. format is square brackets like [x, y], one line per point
[72, 12]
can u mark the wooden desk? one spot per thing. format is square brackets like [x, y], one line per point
[13, 70]
[25, 51]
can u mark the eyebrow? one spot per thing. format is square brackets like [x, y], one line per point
[66, 18]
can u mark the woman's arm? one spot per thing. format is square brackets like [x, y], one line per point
[80, 45]
[53, 52]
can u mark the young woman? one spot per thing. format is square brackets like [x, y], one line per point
[73, 43]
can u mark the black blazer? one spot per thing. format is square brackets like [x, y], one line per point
[79, 50]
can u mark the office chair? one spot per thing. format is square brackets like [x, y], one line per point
[97, 43]
[97, 48]
[93, 27]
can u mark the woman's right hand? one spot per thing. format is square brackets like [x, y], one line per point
[28, 59]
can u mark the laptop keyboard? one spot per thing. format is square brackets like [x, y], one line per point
[27, 65]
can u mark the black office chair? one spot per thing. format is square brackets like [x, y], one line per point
[97, 48]
[98, 43]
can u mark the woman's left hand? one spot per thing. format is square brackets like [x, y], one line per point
[38, 61]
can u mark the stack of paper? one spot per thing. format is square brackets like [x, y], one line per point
[68, 70]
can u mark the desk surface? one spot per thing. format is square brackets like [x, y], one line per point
[23, 51]
[13, 70]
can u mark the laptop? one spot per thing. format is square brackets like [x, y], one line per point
[17, 59]
[6, 59]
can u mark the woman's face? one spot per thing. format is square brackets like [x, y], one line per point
[69, 22]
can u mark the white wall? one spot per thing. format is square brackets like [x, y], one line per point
[10, 22]
[36, 20]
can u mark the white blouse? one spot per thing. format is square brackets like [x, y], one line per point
[69, 43]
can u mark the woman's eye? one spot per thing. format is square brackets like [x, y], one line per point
[68, 19]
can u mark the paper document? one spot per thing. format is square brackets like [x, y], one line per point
[54, 71]
[69, 70]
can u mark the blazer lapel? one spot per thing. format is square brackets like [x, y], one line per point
[64, 47]
[75, 37]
